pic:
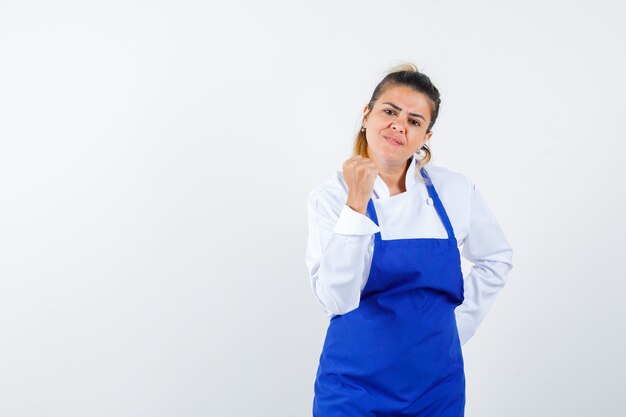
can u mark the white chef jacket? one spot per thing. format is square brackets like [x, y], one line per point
[341, 241]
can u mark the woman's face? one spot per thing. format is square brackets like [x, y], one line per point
[396, 125]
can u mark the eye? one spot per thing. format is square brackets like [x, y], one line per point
[415, 122]
[389, 111]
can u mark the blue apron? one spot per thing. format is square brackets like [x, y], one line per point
[398, 354]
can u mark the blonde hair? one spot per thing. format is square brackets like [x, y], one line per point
[405, 74]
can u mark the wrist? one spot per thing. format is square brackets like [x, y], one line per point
[357, 205]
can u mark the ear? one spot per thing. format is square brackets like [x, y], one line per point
[366, 111]
[427, 136]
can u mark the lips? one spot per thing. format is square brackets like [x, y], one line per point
[392, 141]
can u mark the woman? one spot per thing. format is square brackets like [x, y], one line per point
[384, 262]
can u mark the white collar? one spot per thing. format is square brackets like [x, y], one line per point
[382, 191]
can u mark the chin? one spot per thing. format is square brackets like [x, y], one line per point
[389, 156]
[394, 159]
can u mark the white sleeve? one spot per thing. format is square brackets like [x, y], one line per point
[487, 248]
[339, 253]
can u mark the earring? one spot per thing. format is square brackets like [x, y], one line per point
[362, 128]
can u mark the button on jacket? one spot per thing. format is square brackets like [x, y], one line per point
[341, 241]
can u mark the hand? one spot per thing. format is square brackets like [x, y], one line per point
[359, 174]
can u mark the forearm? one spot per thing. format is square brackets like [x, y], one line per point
[342, 273]
[481, 286]
[339, 253]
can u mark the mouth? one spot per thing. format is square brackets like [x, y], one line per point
[392, 141]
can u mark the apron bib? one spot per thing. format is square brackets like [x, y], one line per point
[398, 354]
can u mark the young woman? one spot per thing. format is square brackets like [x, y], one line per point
[384, 262]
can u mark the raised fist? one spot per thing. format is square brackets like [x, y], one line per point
[359, 174]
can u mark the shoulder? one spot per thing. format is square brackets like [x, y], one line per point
[329, 196]
[448, 181]
[454, 189]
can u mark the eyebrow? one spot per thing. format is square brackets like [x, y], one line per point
[400, 109]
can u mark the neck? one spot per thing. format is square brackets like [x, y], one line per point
[394, 176]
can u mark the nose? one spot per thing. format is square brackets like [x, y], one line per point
[398, 127]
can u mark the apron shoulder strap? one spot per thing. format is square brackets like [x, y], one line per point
[371, 212]
[441, 211]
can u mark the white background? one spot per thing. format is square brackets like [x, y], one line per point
[155, 159]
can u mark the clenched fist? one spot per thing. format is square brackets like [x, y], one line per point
[359, 174]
